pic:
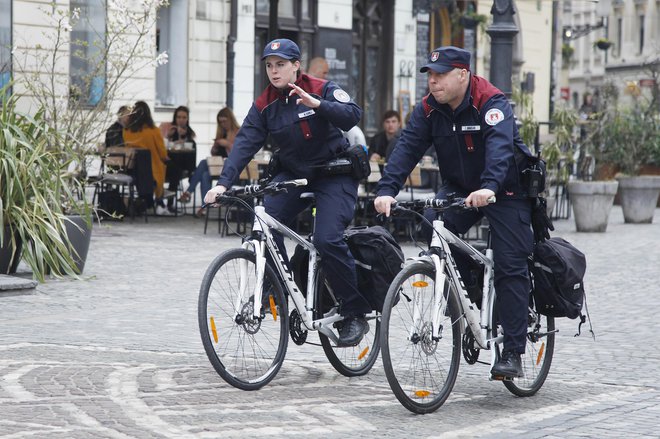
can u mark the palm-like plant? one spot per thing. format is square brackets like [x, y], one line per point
[34, 186]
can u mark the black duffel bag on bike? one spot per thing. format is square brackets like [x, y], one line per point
[378, 259]
[558, 271]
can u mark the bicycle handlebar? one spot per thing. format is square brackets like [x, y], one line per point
[256, 190]
[435, 203]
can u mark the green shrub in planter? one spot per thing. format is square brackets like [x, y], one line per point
[33, 190]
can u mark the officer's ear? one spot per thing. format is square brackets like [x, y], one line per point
[296, 65]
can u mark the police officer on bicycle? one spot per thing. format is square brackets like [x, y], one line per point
[304, 116]
[480, 154]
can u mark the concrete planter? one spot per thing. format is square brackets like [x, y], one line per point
[639, 196]
[80, 235]
[7, 251]
[592, 202]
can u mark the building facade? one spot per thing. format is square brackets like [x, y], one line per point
[611, 43]
[374, 50]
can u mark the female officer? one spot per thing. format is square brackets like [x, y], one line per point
[304, 116]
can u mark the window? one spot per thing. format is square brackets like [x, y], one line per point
[86, 65]
[619, 36]
[5, 42]
[172, 37]
[641, 34]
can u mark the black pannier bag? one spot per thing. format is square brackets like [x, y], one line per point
[558, 271]
[378, 259]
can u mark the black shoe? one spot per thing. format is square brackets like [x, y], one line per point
[509, 366]
[352, 331]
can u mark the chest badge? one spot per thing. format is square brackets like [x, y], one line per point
[305, 114]
[494, 116]
[470, 128]
[341, 96]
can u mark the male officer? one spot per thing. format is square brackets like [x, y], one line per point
[480, 153]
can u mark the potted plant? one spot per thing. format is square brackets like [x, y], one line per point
[591, 200]
[77, 120]
[632, 141]
[603, 43]
[34, 185]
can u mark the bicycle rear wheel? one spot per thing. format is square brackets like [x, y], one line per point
[420, 370]
[354, 360]
[537, 358]
[246, 352]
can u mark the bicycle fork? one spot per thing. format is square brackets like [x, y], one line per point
[244, 276]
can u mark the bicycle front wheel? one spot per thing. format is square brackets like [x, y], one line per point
[420, 368]
[247, 352]
[537, 358]
[354, 360]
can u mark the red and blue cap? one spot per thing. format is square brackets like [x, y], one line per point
[446, 58]
[283, 48]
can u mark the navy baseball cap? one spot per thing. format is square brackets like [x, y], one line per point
[283, 48]
[446, 58]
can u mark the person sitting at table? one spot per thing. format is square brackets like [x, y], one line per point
[114, 135]
[225, 135]
[182, 159]
[141, 132]
[383, 142]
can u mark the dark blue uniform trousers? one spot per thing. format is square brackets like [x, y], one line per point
[335, 205]
[512, 242]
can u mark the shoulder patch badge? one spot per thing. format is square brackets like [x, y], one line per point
[341, 96]
[494, 116]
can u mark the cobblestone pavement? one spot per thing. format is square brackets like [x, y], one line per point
[118, 355]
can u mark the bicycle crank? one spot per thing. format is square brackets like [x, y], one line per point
[470, 351]
[298, 334]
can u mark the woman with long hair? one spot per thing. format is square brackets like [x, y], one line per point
[225, 134]
[180, 135]
[141, 132]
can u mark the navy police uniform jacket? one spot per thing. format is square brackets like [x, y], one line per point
[306, 137]
[478, 144]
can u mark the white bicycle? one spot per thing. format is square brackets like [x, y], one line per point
[429, 318]
[243, 312]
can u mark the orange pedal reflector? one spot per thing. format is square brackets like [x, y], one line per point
[539, 357]
[420, 284]
[215, 333]
[363, 353]
[273, 310]
[422, 393]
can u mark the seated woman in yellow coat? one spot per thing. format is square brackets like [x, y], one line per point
[141, 132]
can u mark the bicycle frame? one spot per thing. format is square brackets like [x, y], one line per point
[263, 226]
[479, 322]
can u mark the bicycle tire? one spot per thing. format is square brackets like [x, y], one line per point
[226, 335]
[348, 361]
[537, 358]
[418, 389]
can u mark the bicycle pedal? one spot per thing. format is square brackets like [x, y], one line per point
[500, 378]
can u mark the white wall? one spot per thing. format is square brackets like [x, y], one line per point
[405, 50]
[335, 14]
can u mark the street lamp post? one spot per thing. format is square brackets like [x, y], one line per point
[502, 32]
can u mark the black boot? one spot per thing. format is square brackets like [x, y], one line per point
[509, 366]
[352, 331]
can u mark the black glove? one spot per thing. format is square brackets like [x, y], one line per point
[541, 223]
